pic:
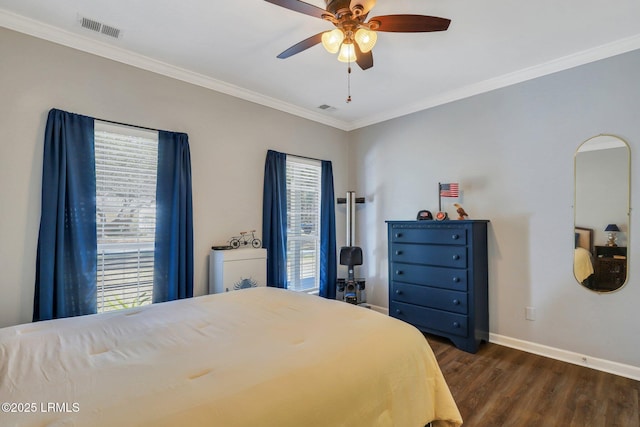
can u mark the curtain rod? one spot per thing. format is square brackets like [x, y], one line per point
[127, 124]
[305, 157]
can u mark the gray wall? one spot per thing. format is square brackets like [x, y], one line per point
[229, 139]
[512, 151]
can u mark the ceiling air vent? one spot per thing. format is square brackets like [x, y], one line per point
[327, 108]
[99, 27]
[90, 24]
[110, 31]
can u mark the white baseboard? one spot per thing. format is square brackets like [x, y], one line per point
[616, 368]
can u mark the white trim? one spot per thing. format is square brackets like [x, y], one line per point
[47, 32]
[617, 47]
[603, 365]
[53, 34]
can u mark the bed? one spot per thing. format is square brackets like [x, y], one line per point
[255, 357]
[583, 255]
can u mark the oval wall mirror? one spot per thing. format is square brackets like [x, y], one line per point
[601, 209]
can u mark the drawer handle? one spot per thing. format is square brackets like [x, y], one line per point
[456, 257]
[456, 279]
[398, 272]
[398, 292]
[456, 325]
[456, 302]
[398, 235]
[455, 236]
[398, 311]
[398, 252]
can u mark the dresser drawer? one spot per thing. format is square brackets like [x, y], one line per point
[449, 235]
[444, 256]
[438, 277]
[443, 321]
[430, 297]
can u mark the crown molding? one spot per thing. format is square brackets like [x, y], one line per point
[96, 47]
[608, 50]
[47, 32]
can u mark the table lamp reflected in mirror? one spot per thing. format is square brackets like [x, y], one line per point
[612, 229]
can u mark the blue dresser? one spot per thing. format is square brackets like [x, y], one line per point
[438, 279]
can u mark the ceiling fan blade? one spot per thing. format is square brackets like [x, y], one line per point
[364, 60]
[303, 45]
[367, 5]
[300, 6]
[410, 23]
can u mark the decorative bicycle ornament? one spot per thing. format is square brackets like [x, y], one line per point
[246, 238]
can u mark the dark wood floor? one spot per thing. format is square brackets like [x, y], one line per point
[503, 387]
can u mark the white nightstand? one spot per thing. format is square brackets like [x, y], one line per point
[234, 269]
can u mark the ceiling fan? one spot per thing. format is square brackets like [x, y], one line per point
[354, 36]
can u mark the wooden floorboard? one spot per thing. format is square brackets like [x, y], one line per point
[504, 387]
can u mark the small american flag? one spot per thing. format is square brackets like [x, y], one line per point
[449, 190]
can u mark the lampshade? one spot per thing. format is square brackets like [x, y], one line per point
[347, 53]
[331, 40]
[366, 39]
[612, 227]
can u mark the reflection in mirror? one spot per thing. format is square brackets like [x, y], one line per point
[601, 208]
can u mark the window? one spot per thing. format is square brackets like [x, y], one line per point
[126, 171]
[117, 213]
[303, 224]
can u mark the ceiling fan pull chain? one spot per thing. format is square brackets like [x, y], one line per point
[349, 84]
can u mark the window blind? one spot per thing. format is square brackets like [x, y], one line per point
[303, 223]
[126, 171]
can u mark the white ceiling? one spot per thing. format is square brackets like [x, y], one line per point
[231, 46]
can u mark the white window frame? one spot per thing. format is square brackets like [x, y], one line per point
[303, 235]
[125, 256]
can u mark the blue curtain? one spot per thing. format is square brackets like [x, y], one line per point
[66, 258]
[173, 275]
[274, 218]
[328, 262]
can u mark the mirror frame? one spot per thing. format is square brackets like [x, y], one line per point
[628, 209]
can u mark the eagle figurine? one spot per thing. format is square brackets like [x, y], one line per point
[460, 211]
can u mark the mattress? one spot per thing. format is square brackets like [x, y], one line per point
[254, 357]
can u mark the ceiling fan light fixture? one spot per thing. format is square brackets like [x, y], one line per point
[331, 40]
[366, 39]
[354, 35]
[347, 53]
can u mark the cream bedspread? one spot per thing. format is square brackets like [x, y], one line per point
[256, 357]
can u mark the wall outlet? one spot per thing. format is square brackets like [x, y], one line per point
[530, 313]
